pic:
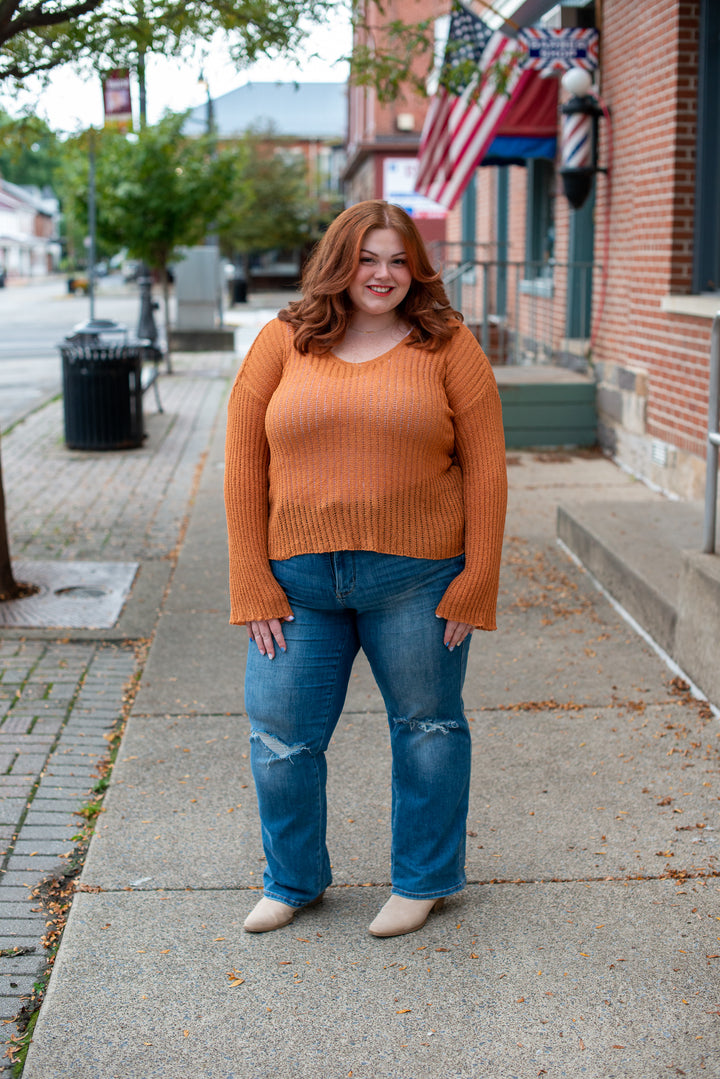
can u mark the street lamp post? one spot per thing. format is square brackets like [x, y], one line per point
[211, 239]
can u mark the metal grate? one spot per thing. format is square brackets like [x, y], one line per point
[73, 595]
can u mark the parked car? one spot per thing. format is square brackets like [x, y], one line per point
[131, 270]
[78, 283]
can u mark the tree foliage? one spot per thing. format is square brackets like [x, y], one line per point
[393, 56]
[155, 193]
[159, 192]
[29, 150]
[269, 205]
[38, 35]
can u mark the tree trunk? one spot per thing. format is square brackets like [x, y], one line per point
[8, 585]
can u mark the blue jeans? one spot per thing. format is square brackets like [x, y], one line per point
[385, 604]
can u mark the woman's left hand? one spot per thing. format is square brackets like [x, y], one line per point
[455, 633]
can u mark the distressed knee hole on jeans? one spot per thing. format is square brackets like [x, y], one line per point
[429, 726]
[279, 749]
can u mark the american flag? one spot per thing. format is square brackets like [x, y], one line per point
[469, 107]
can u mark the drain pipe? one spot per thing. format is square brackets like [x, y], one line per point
[711, 476]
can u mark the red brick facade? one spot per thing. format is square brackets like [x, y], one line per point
[652, 364]
[380, 132]
[651, 337]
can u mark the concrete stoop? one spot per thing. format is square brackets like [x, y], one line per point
[647, 555]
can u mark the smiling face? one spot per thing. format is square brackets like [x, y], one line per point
[382, 278]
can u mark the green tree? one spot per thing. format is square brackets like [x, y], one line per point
[392, 56]
[39, 35]
[269, 205]
[156, 192]
[29, 150]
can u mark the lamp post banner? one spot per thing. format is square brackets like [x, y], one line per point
[116, 99]
[557, 50]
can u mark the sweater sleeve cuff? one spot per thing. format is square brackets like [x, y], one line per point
[257, 598]
[465, 601]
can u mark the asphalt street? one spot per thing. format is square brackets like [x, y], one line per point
[34, 317]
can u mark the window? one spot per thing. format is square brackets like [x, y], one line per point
[706, 257]
[578, 313]
[539, 227]
[501, 217]
[469, 221]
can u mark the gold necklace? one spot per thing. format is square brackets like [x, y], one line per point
[384, 329]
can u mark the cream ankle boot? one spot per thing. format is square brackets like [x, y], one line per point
[401, 915]
[271, 914]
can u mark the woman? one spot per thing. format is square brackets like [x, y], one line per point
[365, 489]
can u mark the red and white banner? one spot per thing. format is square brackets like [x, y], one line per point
[116, 98]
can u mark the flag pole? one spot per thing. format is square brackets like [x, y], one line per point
[505, 18]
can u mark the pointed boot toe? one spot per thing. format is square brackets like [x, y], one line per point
[271, 914]
[401, 915]
[267, 915]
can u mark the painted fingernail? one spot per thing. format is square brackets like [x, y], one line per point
[290, 618]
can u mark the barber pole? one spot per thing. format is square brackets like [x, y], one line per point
[577, 141]
[579, 138]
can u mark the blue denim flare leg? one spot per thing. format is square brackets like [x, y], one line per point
[384, 604]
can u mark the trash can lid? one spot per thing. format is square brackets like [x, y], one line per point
[99, 325]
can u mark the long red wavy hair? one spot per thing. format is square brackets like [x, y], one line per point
[321, 317]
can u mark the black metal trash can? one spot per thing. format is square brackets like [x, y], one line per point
[237, 287]
[102, 393]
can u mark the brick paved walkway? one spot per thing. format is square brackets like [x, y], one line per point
[120, 506]
[62, 693]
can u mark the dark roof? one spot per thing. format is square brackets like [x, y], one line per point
[310, 110]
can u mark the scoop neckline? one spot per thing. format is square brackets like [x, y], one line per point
[374, 359]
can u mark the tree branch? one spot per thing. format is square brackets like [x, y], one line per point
[36, 17]
[7, 10]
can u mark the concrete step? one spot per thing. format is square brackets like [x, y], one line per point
[647, 555]
[546, 406]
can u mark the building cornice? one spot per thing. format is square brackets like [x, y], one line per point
[363, 150]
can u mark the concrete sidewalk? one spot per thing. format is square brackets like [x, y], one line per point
[64, 689]
[587, 941]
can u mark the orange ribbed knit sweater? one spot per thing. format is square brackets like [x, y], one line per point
[403, 454]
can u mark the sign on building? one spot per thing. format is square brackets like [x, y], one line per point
[399, 175]
[557, 50]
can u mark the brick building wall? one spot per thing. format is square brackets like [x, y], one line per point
[651, 362]
[651, 365]
[650, 337]
[385, 131]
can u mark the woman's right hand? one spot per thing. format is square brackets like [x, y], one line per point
[267, 634]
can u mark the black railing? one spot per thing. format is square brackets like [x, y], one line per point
[522, 311]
